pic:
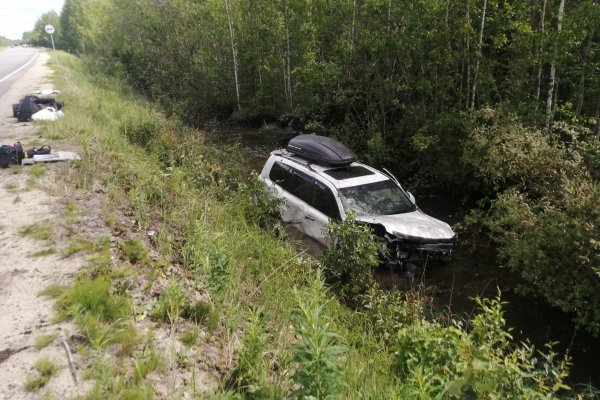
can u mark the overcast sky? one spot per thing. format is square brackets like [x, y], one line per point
[18, 16]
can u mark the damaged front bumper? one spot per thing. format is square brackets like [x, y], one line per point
[412, 252]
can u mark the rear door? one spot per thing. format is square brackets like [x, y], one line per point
[309, 203]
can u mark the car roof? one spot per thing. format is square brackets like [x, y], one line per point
[321, 170]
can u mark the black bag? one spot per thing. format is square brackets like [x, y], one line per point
[6, 153]
[18, 153]
[45, 149]
[29, 105]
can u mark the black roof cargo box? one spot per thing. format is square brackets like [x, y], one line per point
[321, 150]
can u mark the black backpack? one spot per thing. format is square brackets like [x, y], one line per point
[6, 153]
[11, 154]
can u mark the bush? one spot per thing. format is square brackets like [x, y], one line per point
[450, 362]
[545, 216]
[355, 252]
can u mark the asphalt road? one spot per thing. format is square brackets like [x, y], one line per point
[14, 62]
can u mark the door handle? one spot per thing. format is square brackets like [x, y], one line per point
[309, 217]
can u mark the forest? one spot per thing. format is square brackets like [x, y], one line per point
[494, 106]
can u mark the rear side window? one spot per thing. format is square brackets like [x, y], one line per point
[306, 188]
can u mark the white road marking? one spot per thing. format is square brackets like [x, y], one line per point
[20, 68]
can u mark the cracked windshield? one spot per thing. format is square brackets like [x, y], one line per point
[379, 198]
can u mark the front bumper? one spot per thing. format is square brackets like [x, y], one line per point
[402, 250]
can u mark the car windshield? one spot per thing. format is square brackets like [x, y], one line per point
[379, 198]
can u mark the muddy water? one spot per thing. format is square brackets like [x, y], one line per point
[473, 271]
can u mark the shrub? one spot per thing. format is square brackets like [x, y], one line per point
[434, 361]
[258, 207]
[355, 252]
[544, 216]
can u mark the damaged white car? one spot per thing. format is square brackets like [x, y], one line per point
[318, 178]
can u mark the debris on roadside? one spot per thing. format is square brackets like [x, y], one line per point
[52, 157]
[46, 92]
[47, 114]
[30, 105]
[14, 154]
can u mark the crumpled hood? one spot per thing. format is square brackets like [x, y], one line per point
[416, 224]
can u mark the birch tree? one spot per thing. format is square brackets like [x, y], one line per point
[479, 55]
[549, 102]
[233, 51]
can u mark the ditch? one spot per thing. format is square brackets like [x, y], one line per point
[473, 271]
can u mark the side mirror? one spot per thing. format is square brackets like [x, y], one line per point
[411, 198]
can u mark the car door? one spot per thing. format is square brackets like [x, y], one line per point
[303, 196]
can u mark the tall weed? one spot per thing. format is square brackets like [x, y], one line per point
[318, 351]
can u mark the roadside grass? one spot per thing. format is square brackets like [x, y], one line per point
[11, 186]
[40, 231]
[46, 369]
[285, 333]
[35, 172]
[42, 253]
[72, 213]
[44, 340]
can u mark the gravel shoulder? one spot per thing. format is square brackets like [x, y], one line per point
[25, 202]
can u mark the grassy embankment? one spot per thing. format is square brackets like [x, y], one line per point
[227, 284]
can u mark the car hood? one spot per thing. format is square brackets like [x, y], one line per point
[415, 224]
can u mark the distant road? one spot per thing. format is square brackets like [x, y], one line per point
[14, 62]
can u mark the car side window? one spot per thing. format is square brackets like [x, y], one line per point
[324, 201]
[281, 175]
[306, 188]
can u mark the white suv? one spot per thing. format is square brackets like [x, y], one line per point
[318, 178]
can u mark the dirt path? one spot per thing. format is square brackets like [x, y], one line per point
[25, 316]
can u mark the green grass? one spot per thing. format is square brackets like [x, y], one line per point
[53, 291]
[190, 337]
[11, 186]
[35, 172]
[39, 231]
[46, 369]
[42, 253]
[72, 213]
[44, 340]
[134, 251]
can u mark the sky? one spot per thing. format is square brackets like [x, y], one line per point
[18, 16]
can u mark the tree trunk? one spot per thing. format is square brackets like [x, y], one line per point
[479, 55]
[289, 69]
[468, 44]
[389, 16]
[598, 118]
[234, 52]
[584, 63]
[549, 114]
[352, 32]
[541, 52]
